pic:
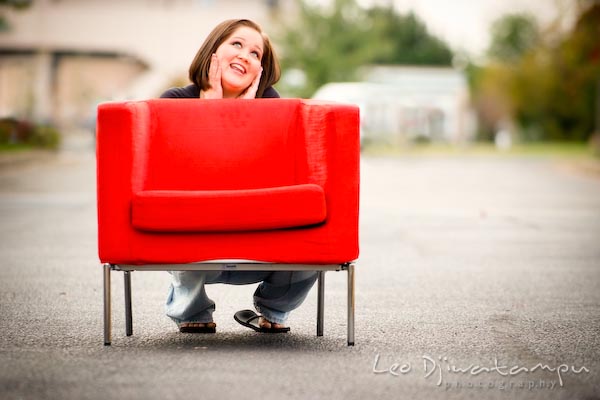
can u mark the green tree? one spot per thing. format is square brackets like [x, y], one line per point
[513, 36]
[331, 44]
[404, 39]
[326, 46]
[17, 4]
[577, 68]
[547, 88]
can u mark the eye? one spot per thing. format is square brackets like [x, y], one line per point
[237, 44]
[256, 55]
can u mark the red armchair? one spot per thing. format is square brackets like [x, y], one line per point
[227, 184]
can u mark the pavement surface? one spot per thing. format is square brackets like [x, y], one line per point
[478, 278]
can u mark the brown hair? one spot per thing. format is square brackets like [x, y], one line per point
[200, 65]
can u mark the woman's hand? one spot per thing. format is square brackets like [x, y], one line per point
[250, 93]
[214, 79]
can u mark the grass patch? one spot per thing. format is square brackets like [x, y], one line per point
[546, 150]
[15, 147]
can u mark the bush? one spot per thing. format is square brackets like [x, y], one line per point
[14, 132]
[45, 136]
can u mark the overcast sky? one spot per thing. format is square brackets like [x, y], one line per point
[465, 24]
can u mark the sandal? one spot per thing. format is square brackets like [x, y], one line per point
[250, 319]
[199, 327]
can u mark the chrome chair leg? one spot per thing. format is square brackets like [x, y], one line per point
[128, 314]
[349, 267]
[320, 302]
[351, 304]
[107, 316]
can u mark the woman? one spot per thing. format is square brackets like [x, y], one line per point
[235, 61]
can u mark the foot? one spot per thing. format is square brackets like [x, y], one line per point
[265, 323]
[197, 327]
[258, 323]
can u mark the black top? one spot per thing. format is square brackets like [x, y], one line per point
[192, 91]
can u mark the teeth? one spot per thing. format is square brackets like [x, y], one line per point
[239, 68]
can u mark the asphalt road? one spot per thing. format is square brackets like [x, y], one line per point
[478, 278]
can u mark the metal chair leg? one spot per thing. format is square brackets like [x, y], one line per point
[128, 314]
[107, 316]
[320, 302]
[351, 304]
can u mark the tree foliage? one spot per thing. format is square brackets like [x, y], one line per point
[326, 46]
[330, 45]
[17, 4]
[513, 36]
[404, 39]
[548, 89]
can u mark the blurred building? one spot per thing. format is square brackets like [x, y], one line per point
[401, 104]
[60, 58]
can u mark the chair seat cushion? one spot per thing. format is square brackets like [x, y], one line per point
[228, 210]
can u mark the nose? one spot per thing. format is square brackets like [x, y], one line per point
[243, 55]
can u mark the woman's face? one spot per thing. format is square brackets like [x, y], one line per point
[240, 59]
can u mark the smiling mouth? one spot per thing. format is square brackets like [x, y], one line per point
[238, 68]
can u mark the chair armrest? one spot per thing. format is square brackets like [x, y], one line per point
[333, 158]
[122, 135]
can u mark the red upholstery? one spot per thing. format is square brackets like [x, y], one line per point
[228, 210]
[187, 180]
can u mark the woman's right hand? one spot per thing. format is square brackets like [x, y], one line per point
[215, 91]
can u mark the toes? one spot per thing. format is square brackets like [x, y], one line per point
[264, 323]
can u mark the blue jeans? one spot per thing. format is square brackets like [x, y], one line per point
[279, 292]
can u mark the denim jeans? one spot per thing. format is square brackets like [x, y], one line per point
[278, 293]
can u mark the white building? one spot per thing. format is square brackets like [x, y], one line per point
[400, 104]
[61, 57]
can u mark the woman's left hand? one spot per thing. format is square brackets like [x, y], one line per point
[250, 93]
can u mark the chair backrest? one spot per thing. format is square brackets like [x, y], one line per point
[219, 145]
[148, 149]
